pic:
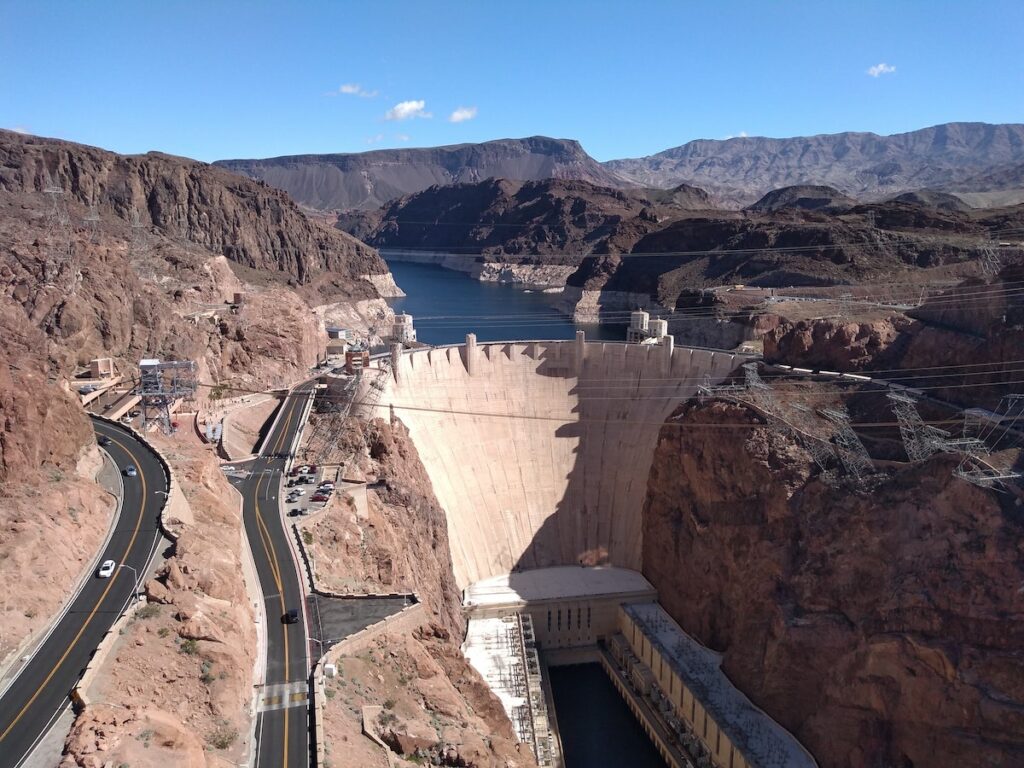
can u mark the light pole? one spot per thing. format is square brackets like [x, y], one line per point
[135, 586]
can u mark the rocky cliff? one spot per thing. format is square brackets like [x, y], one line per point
[865, 165]
[961, 345]
[367, 180]
[881, 628]
[171, 241]
[563, 220]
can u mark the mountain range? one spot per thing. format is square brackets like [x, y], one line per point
[978, 158]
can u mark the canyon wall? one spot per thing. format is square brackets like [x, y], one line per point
[538, 452]
[882, 628]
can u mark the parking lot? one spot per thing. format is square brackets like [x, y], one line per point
[309, 489]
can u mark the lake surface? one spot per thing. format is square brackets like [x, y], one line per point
[446, 305]
[597, 728]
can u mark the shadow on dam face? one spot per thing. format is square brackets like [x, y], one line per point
[539, 452]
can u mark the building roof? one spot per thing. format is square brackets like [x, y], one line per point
[763, 742]
[557, 583]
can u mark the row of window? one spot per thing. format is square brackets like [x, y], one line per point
[568, 618]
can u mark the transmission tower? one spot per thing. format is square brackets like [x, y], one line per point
[161, 384]
[919, 439]
[845, 305]
[92, 221]
[59, 226]
[802, 421]
[140, 243]
[990, 263]
[870, 218]
[759, 393]
[852, 453]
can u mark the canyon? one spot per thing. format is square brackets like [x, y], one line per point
[880, 626]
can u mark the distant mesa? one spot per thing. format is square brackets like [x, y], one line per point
[368, 180]
[933, 198]
[806, 197]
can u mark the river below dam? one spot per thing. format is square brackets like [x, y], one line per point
[446, 305]
[597, 728]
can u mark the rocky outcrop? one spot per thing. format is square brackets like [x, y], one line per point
[833, 344]
[367, 180]
[881, 629]
[376, 553]
[194, 204]
[960, 345]
[807, 197]
[499, 217]
[420, 698]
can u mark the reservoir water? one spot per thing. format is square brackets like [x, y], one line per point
[597, 728]
[446, 305]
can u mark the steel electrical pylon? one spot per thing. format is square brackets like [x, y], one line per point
[852, 454]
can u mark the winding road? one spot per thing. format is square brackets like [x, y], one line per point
[41, 690]
[282, 726]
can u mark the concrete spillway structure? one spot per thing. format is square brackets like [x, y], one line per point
[539, 452]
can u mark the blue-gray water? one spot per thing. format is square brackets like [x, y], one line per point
[446, 305]
[598, 730]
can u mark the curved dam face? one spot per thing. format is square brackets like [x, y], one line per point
[539, 452]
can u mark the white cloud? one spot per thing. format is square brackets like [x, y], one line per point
[881, 69]
[403, 137]
[462, 114]
[21, 129]
[740, 135]
[375, 139]
[355, 89]
[405, 110]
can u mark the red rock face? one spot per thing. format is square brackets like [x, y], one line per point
[882, 628]
[832, 344]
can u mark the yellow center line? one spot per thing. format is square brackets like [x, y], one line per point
[92, 614]
[268, 548]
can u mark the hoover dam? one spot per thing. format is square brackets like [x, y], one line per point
[539, 451]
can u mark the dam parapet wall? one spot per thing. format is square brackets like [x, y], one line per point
[539, 451]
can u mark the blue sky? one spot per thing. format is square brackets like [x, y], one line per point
[221, 79]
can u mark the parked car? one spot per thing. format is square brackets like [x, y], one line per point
[130, 471]
[87, 390]
[327, 486]
[294, 512]
[291, 616]
[298, 492]
[106, 569]
[103, 440]
[320, 497]
[302, 470]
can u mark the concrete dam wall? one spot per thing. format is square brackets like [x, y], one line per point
[539, 452]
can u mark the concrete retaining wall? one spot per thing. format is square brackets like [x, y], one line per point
[80, 693]
[405, 621]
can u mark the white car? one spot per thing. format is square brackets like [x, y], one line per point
[298, 492]
[107, 569]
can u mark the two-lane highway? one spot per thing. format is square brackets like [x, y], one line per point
[283, 719]
[42, 688]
